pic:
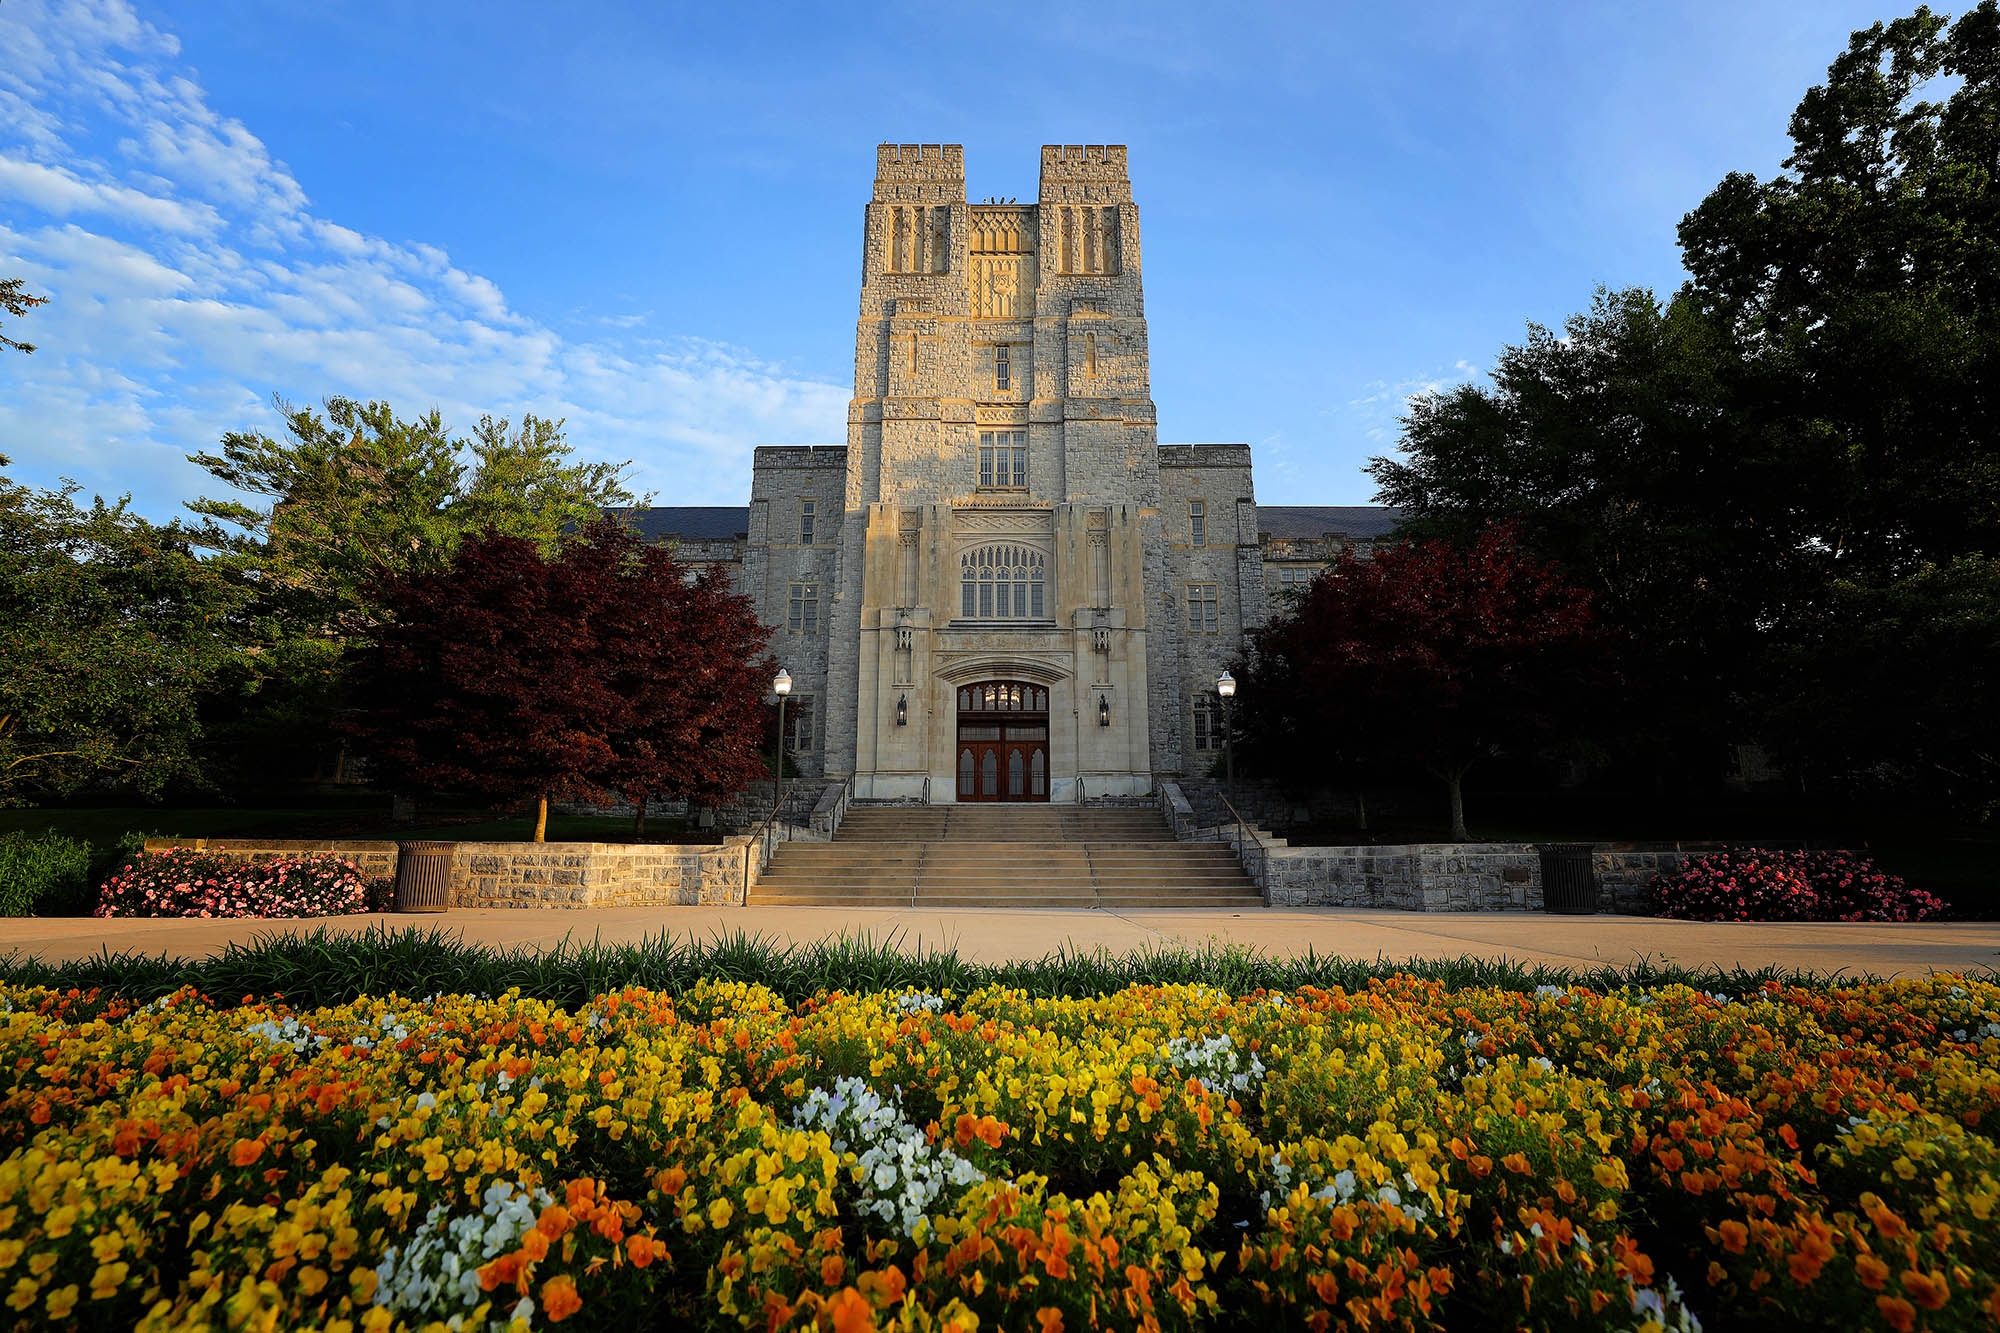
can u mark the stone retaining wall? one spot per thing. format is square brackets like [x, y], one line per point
[1421, 877]
[542, 874]
[1449, 877]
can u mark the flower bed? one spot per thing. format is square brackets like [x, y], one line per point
[1403, 1157]
[185, 882]
[1753, 884]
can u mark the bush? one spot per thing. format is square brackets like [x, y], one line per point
[1755, 884]
[184, 882]
[42, 875]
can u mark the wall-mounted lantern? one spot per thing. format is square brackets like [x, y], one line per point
[1103, 710]
[902, 710]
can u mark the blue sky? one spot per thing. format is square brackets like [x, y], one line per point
[646, 217]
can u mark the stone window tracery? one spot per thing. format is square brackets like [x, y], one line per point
[1003, 583]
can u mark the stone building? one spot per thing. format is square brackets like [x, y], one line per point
[1003, 587]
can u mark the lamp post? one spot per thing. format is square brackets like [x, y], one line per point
[781, 686]
[1225, 686]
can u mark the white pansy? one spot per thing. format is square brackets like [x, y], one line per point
[1216, 1063]
[902, 1177]
[435, 1274]
[289, 1033]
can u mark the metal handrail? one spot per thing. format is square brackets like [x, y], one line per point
[1261, 874]
[762, 835]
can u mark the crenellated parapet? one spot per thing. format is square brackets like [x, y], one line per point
[922, 173]
[1085, 173]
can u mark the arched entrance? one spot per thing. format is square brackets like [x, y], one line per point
[1003, 741]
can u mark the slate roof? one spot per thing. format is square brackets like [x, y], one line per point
[689, 522]
[1362, 521]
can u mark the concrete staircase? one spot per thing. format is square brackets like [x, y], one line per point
[1004, 856]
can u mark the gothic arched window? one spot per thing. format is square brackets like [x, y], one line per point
[1003, 583]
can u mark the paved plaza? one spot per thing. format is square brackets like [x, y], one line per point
[993, 936]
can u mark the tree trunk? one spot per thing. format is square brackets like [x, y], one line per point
[1360, 809]
[542, 820]
[1456, 781]
[639, 818]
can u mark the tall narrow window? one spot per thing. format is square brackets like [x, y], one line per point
[1090, 354]
[804, 618]
[1003, 367]
[1206, 734]
[1201, 608]
[807, 512]
[1197, 523]
[1003, 459]
[799, 725]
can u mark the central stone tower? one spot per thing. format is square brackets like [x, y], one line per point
[1002, 588]
[1002, 489]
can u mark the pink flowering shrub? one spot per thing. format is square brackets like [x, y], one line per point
[1756, 884]
[185, 882]
[1854, 888]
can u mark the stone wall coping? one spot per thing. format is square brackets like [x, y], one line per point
[364, 845]
[1489, 848]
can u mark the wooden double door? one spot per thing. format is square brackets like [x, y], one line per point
[1003, 742]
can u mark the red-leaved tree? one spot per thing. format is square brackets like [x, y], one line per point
[602, 671]
[1425, 653]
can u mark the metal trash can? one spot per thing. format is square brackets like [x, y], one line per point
[423, 876]
[1569, 878]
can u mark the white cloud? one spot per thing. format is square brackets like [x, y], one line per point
[191, 281]
[1381, 408]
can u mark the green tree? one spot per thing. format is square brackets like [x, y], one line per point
[116, 632]
[1616, 446]
[1802, 446]
[16, 301]
[353, 495]
[524, 485]
[1860, 292]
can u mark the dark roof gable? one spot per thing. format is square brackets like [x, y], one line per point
[688, 522]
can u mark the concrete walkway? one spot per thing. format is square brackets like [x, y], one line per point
[996, 935]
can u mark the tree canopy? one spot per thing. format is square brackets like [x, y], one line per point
[360, 492]
[1426, 653]
[117, 633]
[602, 670]
[352, 494]
[16, 300]
[1797, 452]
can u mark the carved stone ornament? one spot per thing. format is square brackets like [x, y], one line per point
[1014, 522]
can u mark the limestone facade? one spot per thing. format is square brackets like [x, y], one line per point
[1002, 510]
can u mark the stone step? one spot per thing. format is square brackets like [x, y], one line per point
[1008, 856]
[1018, 901]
